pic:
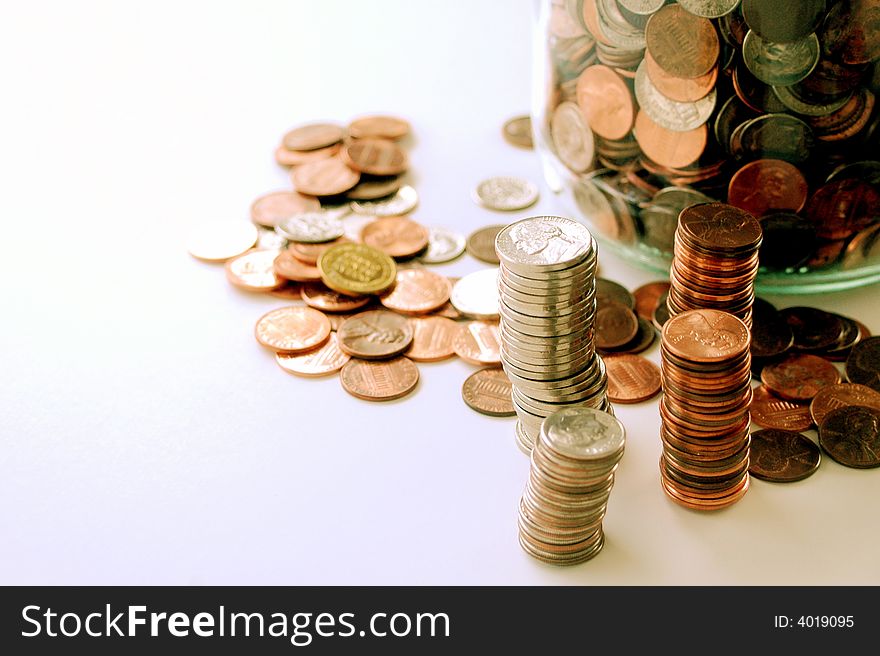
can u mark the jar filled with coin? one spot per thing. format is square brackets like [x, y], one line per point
[646, 107]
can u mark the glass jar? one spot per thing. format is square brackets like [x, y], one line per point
[644, 107]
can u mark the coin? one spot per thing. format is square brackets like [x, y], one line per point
[417, 291]
[268, 210]
[378, 127]
[375, 157]
[375, 335]
[218, 241]
[397, 236]
[605, 101]
[671, 114]
[292, 329]
[770, 411]
[476, 295]
[572, 138]
[322, 361]
[318, 296]
[432, 339]
[481, 243]
[383, 380]
[287, 157]
[326, 177]
[647, 297]
[615, 324]
[708, 8]
[517, 131]
[814, 329]
[478, 342]
[288, 267]
[851, 436]
[547, 243]
[780, 64]
[682, 44]
[848, 32]
[771, 334]
[506, 193]
[669, 148]
[768, 185]
[782, 456]
[488, 391]
[800, 376]
[841, 396]
[269, 240]
[677, 88]
[311, 227]
[444, 245]
[840, 209]
[308, 253]
[374, 187]
[403, 201]
[631, 378]
[777, 23]
[313, 136]
[356, 269]
[863, 363]
[254, 271]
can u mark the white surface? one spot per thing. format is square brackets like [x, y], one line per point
[147, 438]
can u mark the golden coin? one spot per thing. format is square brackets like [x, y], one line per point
[290, 268]
[272, 208]
[313, 136]
[375, 335]
[432, 339]
[324, 360]
[375, 156]
[286, 157]
[320, 297]
[356, 269]
[292, 329]
[326, 177]
[218, 241]
[378, 127]
[379, 381]
[478, 342]
[254, 271]
[417, 291]
[488, 391]
[396, 235]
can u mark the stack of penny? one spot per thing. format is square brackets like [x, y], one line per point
[705, 365]
[570, 480]
[547, 306]
[715, 261]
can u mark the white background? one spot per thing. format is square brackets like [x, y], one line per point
[147, 438]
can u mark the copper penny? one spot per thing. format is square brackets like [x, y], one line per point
[396, 236]
[647, 296]
[289, 291]
[378, 127]
[254, 271]
[379, 381]
[322, 361]
[481, 243]
[799, 377]
[432, 339]
[669, 148]
[841, 396]
[375, 156]
[718, 226]
[517, 131]
[374, 335]
[677, 88]
[842, 208]
[272, 208]
[782, 456]
[478, 342]
[615, 325]
[309, 253]
[814, 329]
[326, 177]
[288, 267]
[683, 45]
[320, 297]
[608, 290]
[375, 187]
[292, 329]
[705, 336]
[631, 378]
[417, 291]
[312, 136]
[287, 157]
[488, 391]
[863, 363]
[605, 101]
[851, 436]
[770, 411]
[768, 185]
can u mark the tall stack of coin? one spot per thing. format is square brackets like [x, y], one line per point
[715, 261]
[705, 364]
[547, 307]
[571, 476]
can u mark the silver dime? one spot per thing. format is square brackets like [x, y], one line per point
[670, 114]
[506, 193]
[780, 64]
[643, 7]
[402, 202]
[708, 8]
[311, 227]
[444, 245]
[572, 138]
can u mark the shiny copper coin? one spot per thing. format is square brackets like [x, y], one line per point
[287, 157]
[272, 208]
[375, 335]
[705, 336]
[615, 325]
[375, 156]
[799, 377]
[396, 236]
[417, 291]
[683, 45]
[851, 436]
[254, 271]
[631, 378]
[648, 296]
[768, 185]
[863, 363]
[843, 207]
[518, 131]
[432, 339]
[770, 411]
[288, 267]
[313, 136]
[645, 337]
[670, 148]
[292, 329]
[375, 187]
[309, 253]
[384, 380]
[478, 342]
[481, 243]
[841, 396]
[321, 297]
[378, 127]
[605, 101]
[677, 88]
[782, 456]
[718, 226]
[488, 391]
[322, 361]
[326, 177]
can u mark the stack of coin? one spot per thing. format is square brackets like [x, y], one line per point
[705, 409]
[570, 479]
[715, 261]
[547, 306]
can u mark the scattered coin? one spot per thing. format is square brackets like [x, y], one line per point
[322, 361]
[478, 342]
[379, 127]
[488, 391]
[311, 227]
[851, 436]
[506, 193]
[254, 271]
[318, 296]
[395, 235]
[383, 380]
[863, 363]
[375, 335]
[272, 208]
[476, 295]
[326, 177]
[647, 297]
[481, 243]
[374, 187]
[782, 456]
[444, 245]
[292, 329]
[313, 136]
[356, 269]
[288, 267]
[218, 241]
[615, 325]
[417, 291]
[432, 339]
[403, 201]
[517, 131]
[286, 157]
[840, 396]
[308, 253]
[770, 411]
[608, 290]
[631, 378]
[799, 377]
[375, 157]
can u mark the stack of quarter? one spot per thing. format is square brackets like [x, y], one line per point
[547, 304]
[705, 365]
[715, 260]
[571, 476]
